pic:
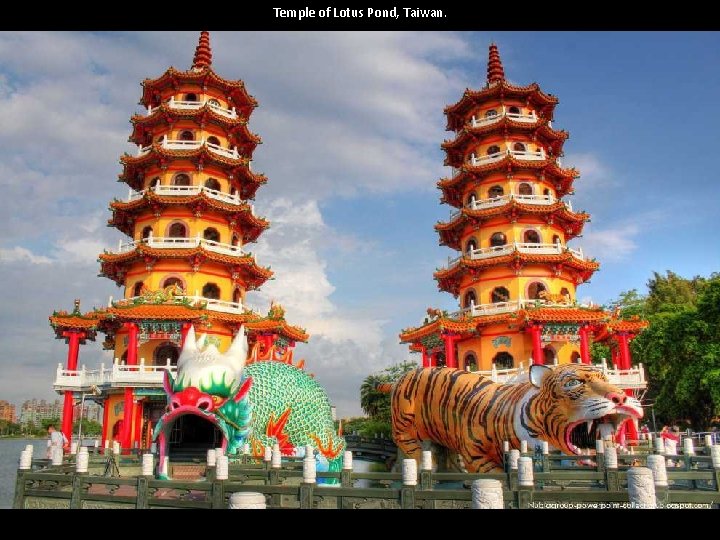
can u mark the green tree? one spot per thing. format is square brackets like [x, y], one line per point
[681, 348]
[376, 404]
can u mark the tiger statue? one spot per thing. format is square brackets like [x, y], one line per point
[471, 415]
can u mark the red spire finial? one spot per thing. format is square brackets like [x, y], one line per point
[495, 72]
[203, 53]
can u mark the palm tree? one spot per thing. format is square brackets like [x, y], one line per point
[372, 401]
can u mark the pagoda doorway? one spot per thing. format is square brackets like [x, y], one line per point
[191, 436]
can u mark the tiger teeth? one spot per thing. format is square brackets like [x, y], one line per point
[589, 426]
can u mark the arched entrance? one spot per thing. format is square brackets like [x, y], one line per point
[191, 436]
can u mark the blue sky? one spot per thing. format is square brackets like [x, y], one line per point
[351, 124]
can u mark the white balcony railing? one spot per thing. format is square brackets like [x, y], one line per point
[187, 191]
[119, 375]
[211, 303]
[181, 243]
[140, 375]
[177, 144]
[194, 105]
[487, 120]
[482, 204]
[522, 247]
[633, 378]
[527, 155]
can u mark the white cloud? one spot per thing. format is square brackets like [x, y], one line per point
[341, 114]
[18, 254]
[611, 244]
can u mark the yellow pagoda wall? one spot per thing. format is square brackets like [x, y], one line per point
[196, 178]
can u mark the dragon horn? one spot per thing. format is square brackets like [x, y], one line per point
[201, 341]
[190, 345]
[237, 352]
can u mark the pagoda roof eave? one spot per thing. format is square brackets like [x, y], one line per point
[504, 88]
[557, 209]
[447, 278]
[111, 318]
[470, 133]
[205, 76]
[451, 187]
[256, 275]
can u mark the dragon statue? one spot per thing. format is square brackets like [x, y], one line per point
[259, 400]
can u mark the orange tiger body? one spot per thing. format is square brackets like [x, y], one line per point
[472, 415]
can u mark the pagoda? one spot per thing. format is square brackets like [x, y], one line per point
[188, 219]
[515, 276]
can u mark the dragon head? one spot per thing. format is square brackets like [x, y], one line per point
[572, 401]
[209, 385]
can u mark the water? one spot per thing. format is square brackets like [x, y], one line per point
[9, 459]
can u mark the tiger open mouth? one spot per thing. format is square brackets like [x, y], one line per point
[580, 436]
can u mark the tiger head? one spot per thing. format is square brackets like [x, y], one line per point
[572, 401]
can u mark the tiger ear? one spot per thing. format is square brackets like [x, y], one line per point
[538, 373]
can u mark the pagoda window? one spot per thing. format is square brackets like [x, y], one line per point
[525, 189]
[471, 198]
[211, 234]
[575, 357]
[169, 282]
[546, 191]
[519, 147]
[469, 299]
[470, 362]
[237, 296]
[213, 140]
[191, 97]
[155, 182]
[548, 356]
[498, 239]
[494, 149]
[514, 110]
[164, 352]
[556, 239]
[181, 179]
[500, 294]
[233, 191]
[137, 289]
[212, 183]
[147, 232]
[534, 290]
[490, 113]
[213, 102]
[531, 237]
[187, 135]
[470, 246]
[495, 191]
[503, 360]
[178, 230]
[235, 240]
[211, 291]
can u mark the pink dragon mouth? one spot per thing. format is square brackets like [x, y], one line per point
[580, 436]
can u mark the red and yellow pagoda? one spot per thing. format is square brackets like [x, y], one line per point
[185, 262]
[515, 276]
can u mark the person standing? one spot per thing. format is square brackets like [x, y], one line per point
[56, 439]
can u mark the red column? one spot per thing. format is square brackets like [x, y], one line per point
[450, 358]
[433, 359]
[105, 427]
[184, 329]
[73, 337]
[537, 353]
[584, 344]
[126, 436]
[425, 358]
[623, 344]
